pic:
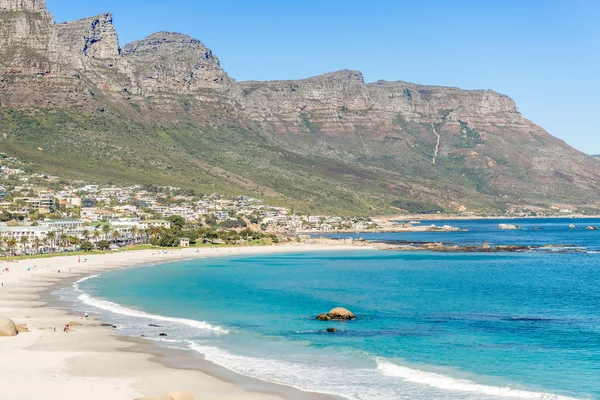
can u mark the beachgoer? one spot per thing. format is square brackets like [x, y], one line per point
[86, 315]
[54, 328]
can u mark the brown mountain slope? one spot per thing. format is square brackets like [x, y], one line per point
[163, 109]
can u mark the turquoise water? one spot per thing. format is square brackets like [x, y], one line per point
[430, 325]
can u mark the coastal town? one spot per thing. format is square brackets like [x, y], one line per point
[44, 213]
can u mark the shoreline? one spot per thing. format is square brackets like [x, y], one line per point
[77, 365]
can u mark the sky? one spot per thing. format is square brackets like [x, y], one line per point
[542, 53]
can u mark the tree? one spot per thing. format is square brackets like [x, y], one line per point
[63, 239]
[87, 246]
[37, 243]
[103, 245]
[51, 236]
[24, 241]
[96, 235]
[105, 229]
[11, 243]
[134, 231]
[176, 221]
[168, 240]
[116, 235]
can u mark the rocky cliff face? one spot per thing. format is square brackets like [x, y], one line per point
[22, 5]
[436, 144]
[178, 74]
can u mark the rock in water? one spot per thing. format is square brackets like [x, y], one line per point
[323, 317]
[331, 330]
[508, 227]
[162, 334]
[7, 327]
[340, 313]
[571, 226]
[592, 228]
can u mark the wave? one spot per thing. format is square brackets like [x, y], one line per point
[118, 309]
[439, 381]
[122, 310]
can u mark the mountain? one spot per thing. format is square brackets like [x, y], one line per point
[162, 110]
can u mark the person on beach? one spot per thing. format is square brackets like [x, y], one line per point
[66, 328]
[86, 315]
[54, 328]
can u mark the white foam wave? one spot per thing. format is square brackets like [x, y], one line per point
[439, 381]
[119, 309]
[76, 284]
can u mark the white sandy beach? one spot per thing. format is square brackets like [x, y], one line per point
[92, 362]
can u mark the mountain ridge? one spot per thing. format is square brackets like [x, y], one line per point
[163, 106]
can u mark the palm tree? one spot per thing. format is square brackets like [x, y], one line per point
[86, 234]
[11, 243]
[37, 241]
[62, 239]
[105, 230]
[24, 241]
[96, 235]
[51, 236]
[116, 235]
[134, 231]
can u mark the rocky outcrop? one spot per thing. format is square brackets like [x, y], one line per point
[592, 228]
[179, 74]
[340, 313]
[7, 327]
[22, 5]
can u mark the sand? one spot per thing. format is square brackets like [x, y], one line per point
[95, 363]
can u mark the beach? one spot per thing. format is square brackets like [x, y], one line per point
[93, 362]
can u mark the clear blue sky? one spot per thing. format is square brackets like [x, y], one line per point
[542, 53]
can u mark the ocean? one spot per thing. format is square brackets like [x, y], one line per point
[429, 325]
